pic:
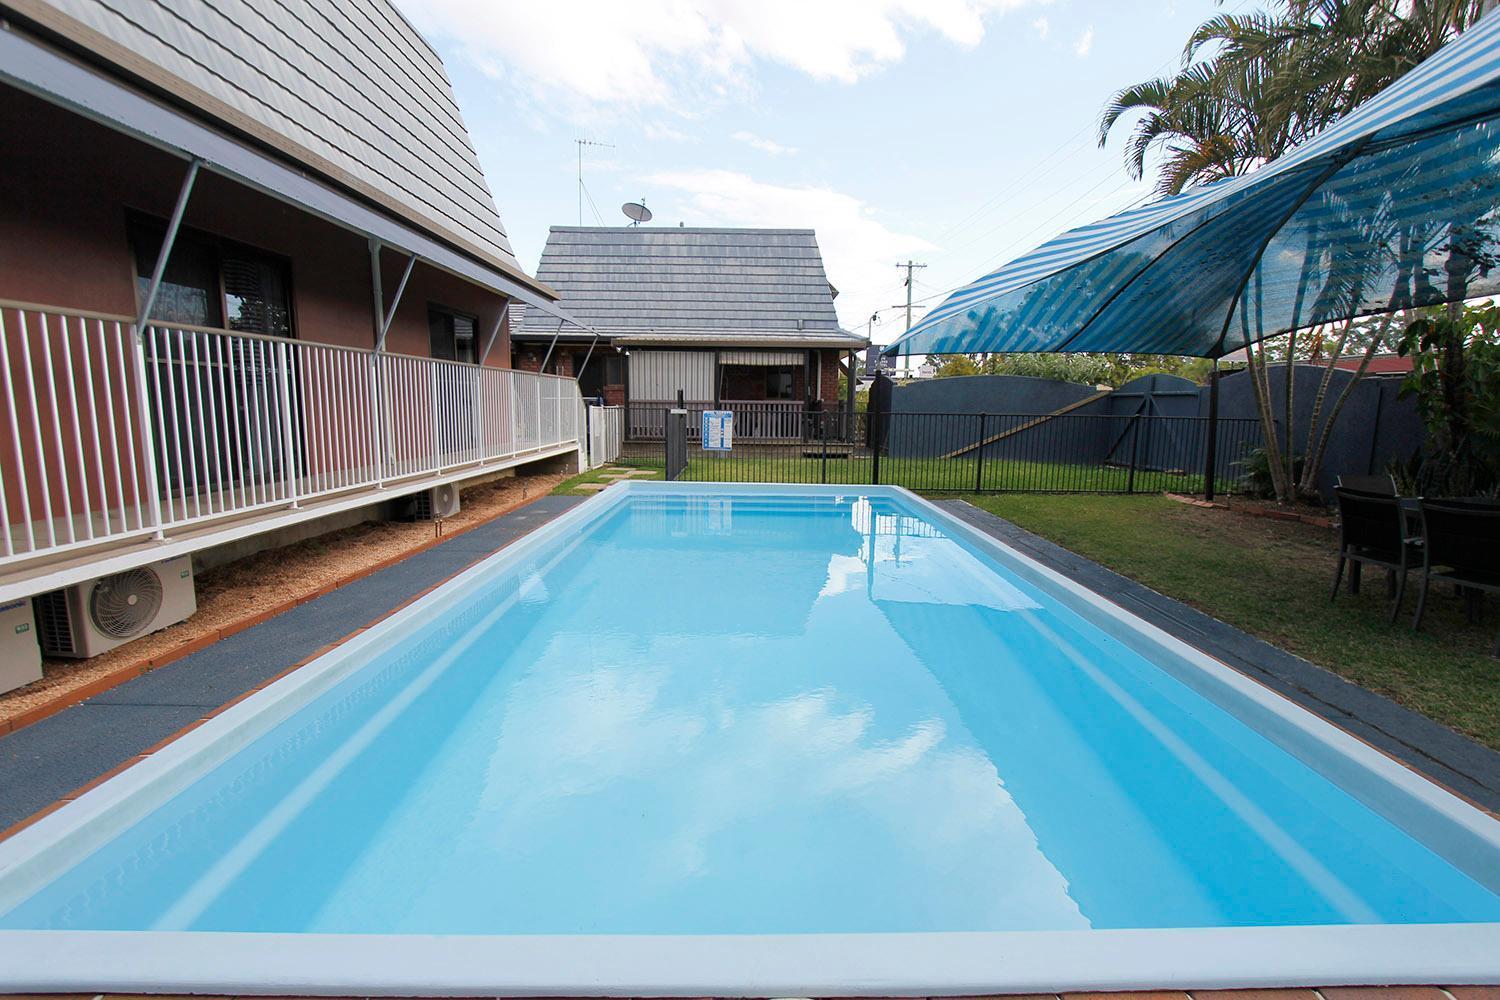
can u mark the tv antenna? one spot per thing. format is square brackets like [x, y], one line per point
[636, 212]
[581, 190]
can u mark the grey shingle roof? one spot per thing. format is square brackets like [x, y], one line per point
[647, 284]
[346, 87]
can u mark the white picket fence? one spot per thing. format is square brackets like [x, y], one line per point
[105, 435]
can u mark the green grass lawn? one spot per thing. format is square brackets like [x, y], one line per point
[1271, 579]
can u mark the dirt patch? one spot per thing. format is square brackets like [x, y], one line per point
[241, 590]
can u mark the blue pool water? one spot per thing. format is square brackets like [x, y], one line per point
[736, 714]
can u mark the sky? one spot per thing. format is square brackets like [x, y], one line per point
[956, 133]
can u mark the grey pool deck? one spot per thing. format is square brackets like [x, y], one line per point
[49, 759]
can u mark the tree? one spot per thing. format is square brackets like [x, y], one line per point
[1271, 79]
[957, 364]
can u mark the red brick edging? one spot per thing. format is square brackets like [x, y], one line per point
[1276, 515]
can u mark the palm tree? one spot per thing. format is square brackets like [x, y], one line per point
[1270, 80]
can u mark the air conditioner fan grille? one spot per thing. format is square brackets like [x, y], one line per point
[124, 604]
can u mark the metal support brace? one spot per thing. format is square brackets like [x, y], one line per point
[552, 346]
[149, 301]
[579, 373]
[494, 333]
[375, 288]
[390, 314]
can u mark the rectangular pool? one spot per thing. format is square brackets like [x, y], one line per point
[757, 740]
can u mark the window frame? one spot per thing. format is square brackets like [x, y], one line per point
[450, 314]
[138, 222]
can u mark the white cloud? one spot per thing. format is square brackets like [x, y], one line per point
[763, 144]
[666, 52]
[1085, 42]
[658, 131]
[858, 250]
[1043, 27]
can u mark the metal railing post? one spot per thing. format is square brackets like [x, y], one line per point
[432, 389]
[979, 458]
[823, 437]
[1135, 437]
[287, 451]
[476, 409]
[148, 430]
[379, 403]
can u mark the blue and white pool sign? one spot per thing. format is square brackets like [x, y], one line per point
[718, 430]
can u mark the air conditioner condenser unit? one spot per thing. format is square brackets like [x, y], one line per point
[90, 618]
[436, 503]
[20, 656]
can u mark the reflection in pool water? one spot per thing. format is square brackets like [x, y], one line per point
[757, 715]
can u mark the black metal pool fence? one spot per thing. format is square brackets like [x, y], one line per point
[968, 452]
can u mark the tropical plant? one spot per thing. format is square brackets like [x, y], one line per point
[1253, 85]
[1455, 378]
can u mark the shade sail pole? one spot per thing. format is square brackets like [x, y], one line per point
[1211, 446]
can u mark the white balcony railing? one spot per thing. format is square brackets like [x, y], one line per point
[105, 436]
[754, 419]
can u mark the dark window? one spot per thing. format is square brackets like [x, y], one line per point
[451, 335]
[214, 282]
[779, 383]
[189, 291]
[256, 297]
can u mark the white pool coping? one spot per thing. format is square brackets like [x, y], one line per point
[916, 964]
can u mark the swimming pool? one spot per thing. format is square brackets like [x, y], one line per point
[758, 740]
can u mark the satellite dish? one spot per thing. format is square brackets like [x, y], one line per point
[636, 212]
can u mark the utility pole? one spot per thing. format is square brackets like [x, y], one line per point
[910, 266]
[581, 143]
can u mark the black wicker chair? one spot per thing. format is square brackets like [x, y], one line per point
[1383, 485]
[1464, 537]
[1373, 530]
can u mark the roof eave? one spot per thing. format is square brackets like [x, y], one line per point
[133, 69]
[31, 65]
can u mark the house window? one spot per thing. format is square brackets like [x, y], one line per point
[451, 334]
[779, 383]
[213, 282]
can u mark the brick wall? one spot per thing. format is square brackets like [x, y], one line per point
[528, 358]
[828, 383]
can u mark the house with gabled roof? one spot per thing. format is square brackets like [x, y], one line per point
[252, 281]
[737, 319]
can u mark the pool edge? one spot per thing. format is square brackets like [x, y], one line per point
[699, 965]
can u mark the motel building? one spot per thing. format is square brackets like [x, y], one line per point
[253, 286]
[721, 319]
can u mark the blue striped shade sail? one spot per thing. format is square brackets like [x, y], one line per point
[1395, 206]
